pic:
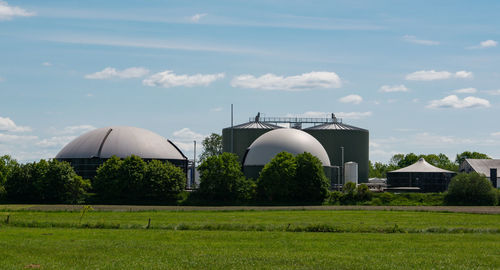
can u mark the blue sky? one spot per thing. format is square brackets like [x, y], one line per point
[422, 76]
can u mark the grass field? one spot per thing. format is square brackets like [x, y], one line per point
[272, 239]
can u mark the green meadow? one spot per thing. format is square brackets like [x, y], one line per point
[271, 239]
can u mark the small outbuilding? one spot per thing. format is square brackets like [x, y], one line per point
[420, 176]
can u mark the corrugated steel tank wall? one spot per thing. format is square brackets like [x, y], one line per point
[355, 143]
[242, 139]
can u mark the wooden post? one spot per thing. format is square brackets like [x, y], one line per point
[149, 223]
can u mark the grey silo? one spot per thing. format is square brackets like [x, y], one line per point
[243, 136]
[355, 141]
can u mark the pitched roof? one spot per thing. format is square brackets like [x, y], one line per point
[256, 125]
[484, 165]
[421, 166]
[335, 126]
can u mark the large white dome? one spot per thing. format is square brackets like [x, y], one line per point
[290, 140]
[122, 142]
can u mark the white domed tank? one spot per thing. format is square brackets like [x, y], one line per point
[88, 151]
[290, 140]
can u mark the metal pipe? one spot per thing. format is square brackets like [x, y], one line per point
[343, 176]
[232, 128]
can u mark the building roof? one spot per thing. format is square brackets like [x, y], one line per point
[122, 142]
[421, 166]
[484, 165]
[256, 125]
[290, 140]
[335, 126]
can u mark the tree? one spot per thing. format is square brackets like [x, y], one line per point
[164, 181]
[471, 189]
[467, 154]
[275, 178]
[221, 179]
[131, 175]
[310, 183]
[212, 146]
[7, 164]
[107, 182]
[45, 182]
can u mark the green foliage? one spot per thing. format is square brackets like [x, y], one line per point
[310, 183]
[164, 181]
[471, 189]
[47, 182]
[467, 154]
[212, 146]
[363, 193]
[275, 178]
[221, 179]
[132, 179]
[299, 179]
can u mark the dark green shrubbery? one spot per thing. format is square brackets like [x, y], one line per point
[351, 194]
[293, 179]
[471, 189]
[221, 179]
[133, 179]
[45, 182]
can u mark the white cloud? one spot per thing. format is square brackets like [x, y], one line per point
[73, 130]
[16, 139]
[493, 92]
[187, 134]
[218, 109]
[353, 115]
[453, 101]
[169, 79]
[469, 90]
[488, 43]
[431, 75]
[196, 18]
[354, 99]
[46, 64]
[305, 81]
[110, 73]
[55, 142]
[413, 39]
[463, 74]
[184, 139]
[496, 134]
[393, 88]
[6, 124]
[8, 12]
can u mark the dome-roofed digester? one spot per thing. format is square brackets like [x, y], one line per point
[354, 140]
[88, 151]
[290, 140]
[243, 135]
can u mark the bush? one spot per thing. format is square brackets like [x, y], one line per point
[221, 179]
[363, 193]
[471, 189]
[310, 183]
[45, 182]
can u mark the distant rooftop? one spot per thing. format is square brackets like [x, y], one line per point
[296, 120]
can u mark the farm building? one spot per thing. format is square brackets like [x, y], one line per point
[342, 142]
[88, 151]
[420, 176]
[488, 167]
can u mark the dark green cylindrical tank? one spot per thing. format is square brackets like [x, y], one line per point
[243, 136]
[355, 141]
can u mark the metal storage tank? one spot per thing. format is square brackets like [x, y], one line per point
[290, 140]
[88, 151]
[243, 136]
[354, 140]
[351, 172]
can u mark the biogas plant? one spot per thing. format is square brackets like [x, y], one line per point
[341, 148]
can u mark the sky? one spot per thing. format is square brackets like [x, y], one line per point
[421, 76]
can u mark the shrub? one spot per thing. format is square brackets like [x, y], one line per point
[310, 183]
[471, 189]
[363, 193]
[335, 197]
[221, 179]
[386, 198]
